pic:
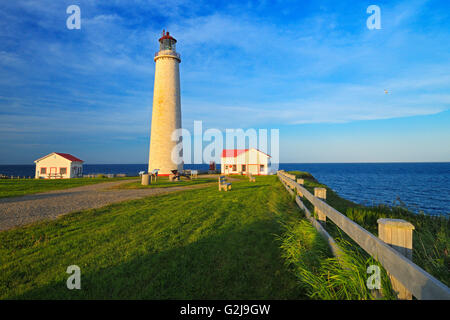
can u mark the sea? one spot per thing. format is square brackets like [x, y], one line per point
[421, 187]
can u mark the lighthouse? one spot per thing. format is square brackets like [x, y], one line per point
[166, 114]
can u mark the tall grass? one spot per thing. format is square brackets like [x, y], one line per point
[323, 276]
[431, 237]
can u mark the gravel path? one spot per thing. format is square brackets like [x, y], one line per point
[19, 211]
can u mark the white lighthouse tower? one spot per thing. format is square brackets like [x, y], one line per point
[166, 114]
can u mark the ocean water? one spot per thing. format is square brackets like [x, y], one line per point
[419, 186]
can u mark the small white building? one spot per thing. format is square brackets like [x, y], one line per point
[59, 166]
[244, 161]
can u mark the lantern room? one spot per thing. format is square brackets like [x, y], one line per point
[167, 42]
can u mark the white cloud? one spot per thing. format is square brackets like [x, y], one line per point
[238, 70]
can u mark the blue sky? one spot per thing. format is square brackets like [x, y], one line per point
[312, 69]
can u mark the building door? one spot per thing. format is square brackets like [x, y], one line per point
[52, 171]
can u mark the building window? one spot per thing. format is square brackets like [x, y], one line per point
[43, 170]
[244, 168]
[62, 170]
[234, 167]
[261, 167]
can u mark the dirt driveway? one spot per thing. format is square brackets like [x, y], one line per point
[19, 211]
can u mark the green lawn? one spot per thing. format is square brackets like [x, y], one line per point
[20, 187]
[193, 244]
[250, 243]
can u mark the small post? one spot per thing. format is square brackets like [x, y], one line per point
[145, 179]
[300, 181]
[320, 193]
[398, 234]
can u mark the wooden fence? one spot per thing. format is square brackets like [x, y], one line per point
[416, 280]
[15, 177]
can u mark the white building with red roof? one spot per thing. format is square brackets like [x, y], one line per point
[244, 161]
[58, 165]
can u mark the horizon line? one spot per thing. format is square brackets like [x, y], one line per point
[367, 162]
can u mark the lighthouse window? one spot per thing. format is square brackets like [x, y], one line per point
[167, 44]
[234, 167]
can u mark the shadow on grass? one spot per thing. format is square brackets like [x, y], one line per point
[230, 264]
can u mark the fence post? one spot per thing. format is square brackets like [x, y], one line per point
[300, 181]
[398, 234]
[320, 193]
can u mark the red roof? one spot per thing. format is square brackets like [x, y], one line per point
[232, 152]
[235, 152]
[68, 156]
[166, 35]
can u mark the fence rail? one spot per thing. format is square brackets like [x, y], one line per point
[420, 283]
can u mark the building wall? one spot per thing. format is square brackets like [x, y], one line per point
[166, 115]
[252, 159]
[53, 164]
[76, 170]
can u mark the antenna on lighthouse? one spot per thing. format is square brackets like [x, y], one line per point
[163, 33]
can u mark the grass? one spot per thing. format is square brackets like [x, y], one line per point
[333, 199]
[250, 243]
[193, 244]
[325, 277]
[20, 187]
[431, 237]
[321, 275]
[163, 182]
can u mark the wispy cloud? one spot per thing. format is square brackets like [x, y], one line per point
[242, 65]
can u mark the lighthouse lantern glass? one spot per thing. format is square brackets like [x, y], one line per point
[167, 44]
